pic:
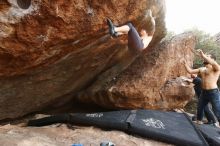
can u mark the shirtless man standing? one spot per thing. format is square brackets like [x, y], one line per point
[210, 92]
[197, 81]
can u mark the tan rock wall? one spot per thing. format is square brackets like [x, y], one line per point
[152, 82]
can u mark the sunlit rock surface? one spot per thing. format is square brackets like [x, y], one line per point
[152, 82]
[51, 50]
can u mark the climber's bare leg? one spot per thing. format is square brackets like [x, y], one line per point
[122, 29]
[116, 31]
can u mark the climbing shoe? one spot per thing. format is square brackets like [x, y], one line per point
[112, 31]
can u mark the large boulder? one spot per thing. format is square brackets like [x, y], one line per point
[51, 50]
[153, 81]
[44, 32]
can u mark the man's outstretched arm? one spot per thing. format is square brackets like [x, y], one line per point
[208, 59]
[189, 69]
[153, 24]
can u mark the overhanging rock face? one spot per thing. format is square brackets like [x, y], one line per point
[51, 50]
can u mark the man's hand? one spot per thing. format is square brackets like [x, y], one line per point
[183, 61]
[153, 22]
[149, 13]
[200, 52]
[152, 19]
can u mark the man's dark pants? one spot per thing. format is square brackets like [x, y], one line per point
[212, 96]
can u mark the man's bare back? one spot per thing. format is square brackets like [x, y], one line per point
[209, 77]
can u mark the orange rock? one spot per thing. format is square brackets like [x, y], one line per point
[49, 51]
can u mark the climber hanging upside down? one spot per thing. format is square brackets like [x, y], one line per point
[135, 42]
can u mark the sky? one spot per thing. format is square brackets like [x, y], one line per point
[185, 14]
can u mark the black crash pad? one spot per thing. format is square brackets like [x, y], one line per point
[211, 133]
[170, 127]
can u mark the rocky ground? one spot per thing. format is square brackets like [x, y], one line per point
[65, 135]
